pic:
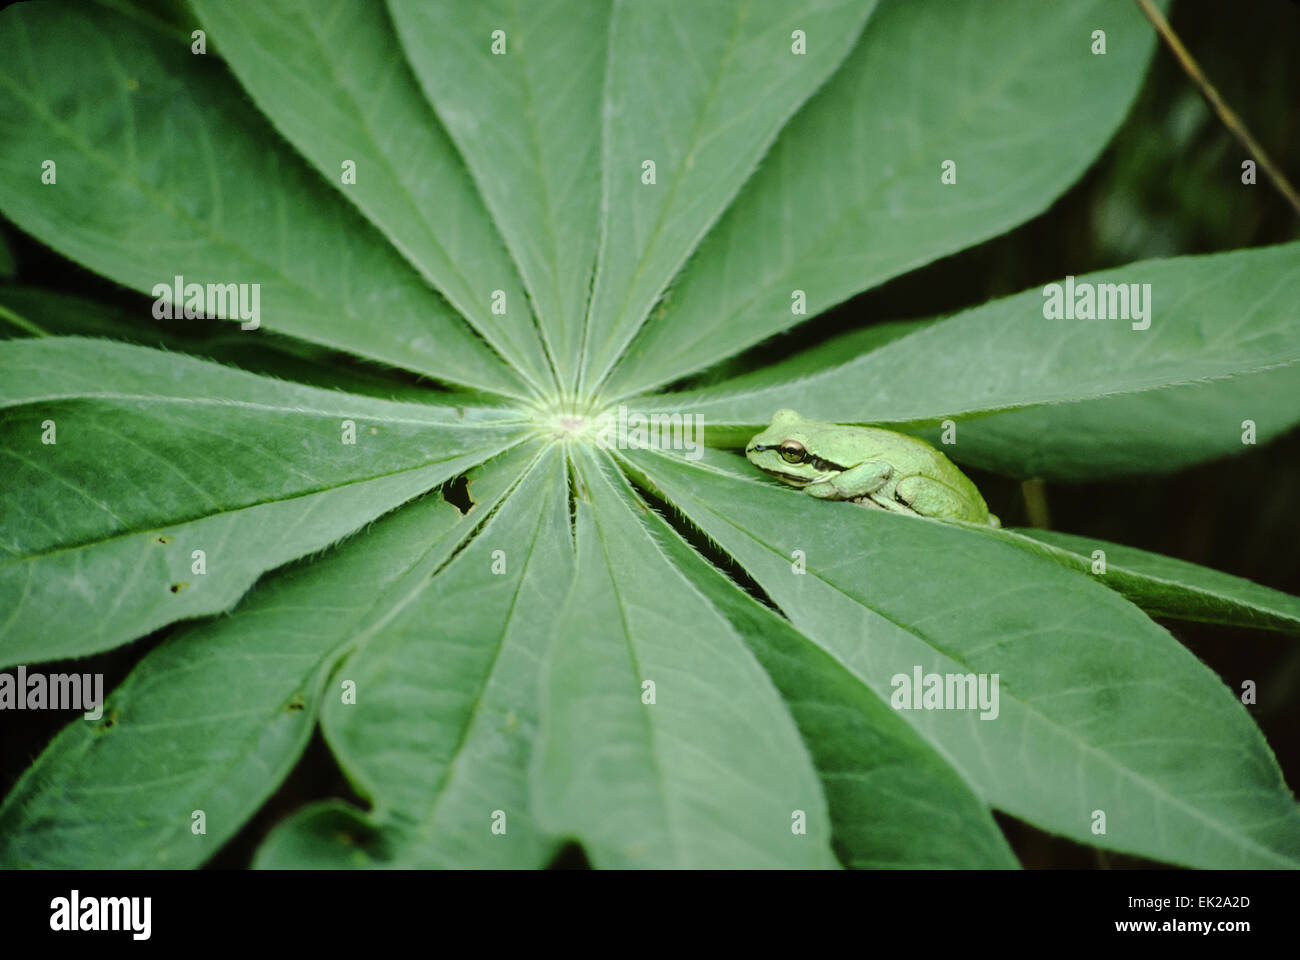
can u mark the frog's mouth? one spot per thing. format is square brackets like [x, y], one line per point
[786, 477]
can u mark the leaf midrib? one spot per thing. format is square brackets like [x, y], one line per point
[706, 108]
[429, 819]
[671, 817]
[707, 396]
[164, 398]
[300, 495]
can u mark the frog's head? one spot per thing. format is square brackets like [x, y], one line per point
[786, 450]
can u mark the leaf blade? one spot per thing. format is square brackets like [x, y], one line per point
[241, 474]
[1166, 586]
[1218, 316]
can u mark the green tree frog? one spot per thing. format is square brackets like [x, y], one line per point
[868, 466]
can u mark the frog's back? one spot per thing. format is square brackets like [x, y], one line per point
[912, 456]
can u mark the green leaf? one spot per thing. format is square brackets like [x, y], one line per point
[851, 194]
[894, 801]
[35, 311]
[243, 209]
[705, 124]
[215, 718]
[441, 733]
[1094, 697]
[712, 773]
[527, 122]
[1165, 586]
[834, 352]
[325, 74]
[1214, 316]
[329, 834]
[1158, 431]
[156, 456]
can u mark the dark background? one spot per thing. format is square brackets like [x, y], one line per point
[1169, 184]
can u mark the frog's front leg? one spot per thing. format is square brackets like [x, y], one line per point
[857, 481]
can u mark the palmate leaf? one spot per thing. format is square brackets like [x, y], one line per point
[1100, 709]
[486, 670]
[156, 456]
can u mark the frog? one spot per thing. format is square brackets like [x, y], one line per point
[868, 466]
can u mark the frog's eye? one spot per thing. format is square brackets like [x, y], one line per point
[792, 451]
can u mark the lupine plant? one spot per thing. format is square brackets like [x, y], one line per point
[459, 480]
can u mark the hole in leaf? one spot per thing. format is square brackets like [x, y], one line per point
[456, 492]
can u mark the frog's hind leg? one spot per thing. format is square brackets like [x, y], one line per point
[884, 501]
[927, 497]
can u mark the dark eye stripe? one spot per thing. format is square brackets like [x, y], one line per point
[821, 464]
[816, 462]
